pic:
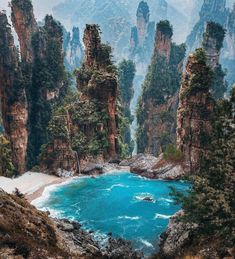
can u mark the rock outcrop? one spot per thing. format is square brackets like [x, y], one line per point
[73, 49]
[142, 35]
[100, 83]
[13, 97]
[25, 25]
[180, 241]
[154, 167]
[195, 109]
[212, 10]
[156, 115]
[212, 45]
[85, 130]
[48, 84]
[31, 83]
[216, 11]
[26, 232]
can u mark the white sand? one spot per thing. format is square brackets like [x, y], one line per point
[28, 183]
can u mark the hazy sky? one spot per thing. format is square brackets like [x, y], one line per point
[43, 7]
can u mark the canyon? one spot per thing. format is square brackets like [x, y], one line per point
[68, 109]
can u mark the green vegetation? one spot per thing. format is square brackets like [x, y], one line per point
[165, 28]
[126, 74]
[81, 124]
[217, 32]
[6, 165]
[220, 85]
[203, 75]
[161, 83]
[210, 203]
[172, 154]
[48, 78]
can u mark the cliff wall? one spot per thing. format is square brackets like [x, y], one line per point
[13, 97]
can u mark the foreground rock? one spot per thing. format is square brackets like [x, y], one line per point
[180, 241]
[26, 232]
[154, 167]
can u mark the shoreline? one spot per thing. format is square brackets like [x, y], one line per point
[33, 184]
[39, 193]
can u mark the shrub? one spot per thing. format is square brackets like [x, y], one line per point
[172, 154]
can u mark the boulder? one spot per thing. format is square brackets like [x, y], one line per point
[154, 167]
[176, 236]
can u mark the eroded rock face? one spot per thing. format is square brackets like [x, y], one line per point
[175, 237]
[13, 97]
[142, 35]
[101, 86]
[212, 45]
[59, 159]
[195, 109]
[73, 49]
[156, 114]
[163, 43]
[25, 25]
[212, 10]
[154, 167]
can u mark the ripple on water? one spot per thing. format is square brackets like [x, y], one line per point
[116, 203]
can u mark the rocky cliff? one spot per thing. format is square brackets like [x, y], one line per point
[25, 25]
[212, 45]
[87, 126]
[212, 10]
[100, 85]
[126, 74]
[195, 109]
[73, 49]
[157, 107]
[32, 83]
[216, 11]
[13, 96]
[142, 35]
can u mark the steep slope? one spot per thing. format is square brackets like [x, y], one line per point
[87, 126]
[26, 232]
[216, 11]
[42, 68]
[73, 49]
[195, 109]
[212, 10]
[142, 36]
[157, 106]
[212, 45]
[13, 97]
[126, 74]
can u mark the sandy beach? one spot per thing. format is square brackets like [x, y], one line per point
[31, 184]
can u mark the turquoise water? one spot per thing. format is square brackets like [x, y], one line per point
[114, 203]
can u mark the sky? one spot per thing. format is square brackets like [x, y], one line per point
[43, 7]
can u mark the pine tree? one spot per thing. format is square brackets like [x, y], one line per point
[210, 203]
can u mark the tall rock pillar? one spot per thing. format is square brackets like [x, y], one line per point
[13, 97]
